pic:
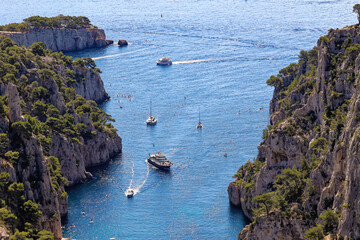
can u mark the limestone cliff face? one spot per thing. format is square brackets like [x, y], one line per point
[57, 134]
[61, 39]
[92, 88]
[75, 157]
[314, 119]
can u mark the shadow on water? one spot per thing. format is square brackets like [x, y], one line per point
[237, 213]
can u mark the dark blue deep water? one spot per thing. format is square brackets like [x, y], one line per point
[223, 53]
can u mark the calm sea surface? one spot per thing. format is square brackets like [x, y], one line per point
[223, 52]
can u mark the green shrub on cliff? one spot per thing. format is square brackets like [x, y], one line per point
[38, 48]
[8, 218]
[61, 21]
[274, 81]
[290, 184]
[356, 9]
[31, 212]
[45, 235]
[57, 179]
[330, 219]
[315, 233]
[319, 145]
[15, 27]
[266, 203]
[12, 157]
[4, 141]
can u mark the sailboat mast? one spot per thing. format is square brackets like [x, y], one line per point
[199, 114]
[150, 107]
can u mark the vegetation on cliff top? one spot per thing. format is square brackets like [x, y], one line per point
[38, 73]
[60, 21]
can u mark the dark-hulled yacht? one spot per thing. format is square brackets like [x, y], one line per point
[159, 161]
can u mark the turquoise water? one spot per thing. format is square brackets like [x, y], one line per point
[223, 52]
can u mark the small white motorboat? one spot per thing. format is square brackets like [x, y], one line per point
[164, 61]
[129, 193]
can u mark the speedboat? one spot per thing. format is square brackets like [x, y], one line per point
[164, 61]
[129, 193]
[159, 161]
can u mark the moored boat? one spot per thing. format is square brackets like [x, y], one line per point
[151, 120]
[199, 125]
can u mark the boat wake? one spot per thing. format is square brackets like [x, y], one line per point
[192, 61]
[132, 176]
[118, 54]
[137, 188]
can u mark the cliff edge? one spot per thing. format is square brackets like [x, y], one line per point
[60, 33]
[305, 181]
[61, 39]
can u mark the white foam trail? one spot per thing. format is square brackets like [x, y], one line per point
[132, 175]
[192, 61]
[137, 189]
[118, 54]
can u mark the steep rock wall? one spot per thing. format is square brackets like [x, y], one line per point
[56, 132]
[61, 39]
[314, 116]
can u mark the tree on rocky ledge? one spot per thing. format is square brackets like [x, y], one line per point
[356, 9]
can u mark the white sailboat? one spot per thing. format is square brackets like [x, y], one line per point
[151, 120]
[199, 125]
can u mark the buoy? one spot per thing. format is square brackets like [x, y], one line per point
[225, 155]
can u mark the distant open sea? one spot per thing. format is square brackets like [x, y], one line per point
[223, 53]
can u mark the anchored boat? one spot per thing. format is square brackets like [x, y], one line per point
[159, 161]
[151, 120]
[199, 125]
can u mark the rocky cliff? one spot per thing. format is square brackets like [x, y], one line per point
[61, 39]
[51, 130]
[305, 181]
